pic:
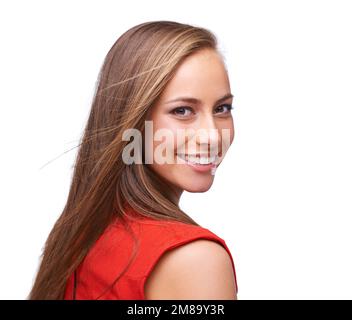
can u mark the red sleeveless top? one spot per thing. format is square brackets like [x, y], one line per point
[112, 252]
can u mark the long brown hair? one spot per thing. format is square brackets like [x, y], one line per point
[134, 73]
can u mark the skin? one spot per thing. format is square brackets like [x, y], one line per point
[202, 76]
[198, 270]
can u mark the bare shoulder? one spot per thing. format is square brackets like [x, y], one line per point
[200, 269]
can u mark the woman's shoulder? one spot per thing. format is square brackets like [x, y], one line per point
[167, 245]
[199, 269]
[142, 246]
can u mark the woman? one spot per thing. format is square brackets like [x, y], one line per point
[122, 234]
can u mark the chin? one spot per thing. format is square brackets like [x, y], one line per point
[198, 187]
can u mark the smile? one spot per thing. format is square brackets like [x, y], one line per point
[199, 160]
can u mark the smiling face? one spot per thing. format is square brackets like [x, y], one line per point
[197, 99]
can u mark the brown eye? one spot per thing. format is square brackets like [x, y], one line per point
[182, 111]
[223, 109]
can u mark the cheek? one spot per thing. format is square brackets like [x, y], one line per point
[164, 138]
[232, 134]
[228, 134]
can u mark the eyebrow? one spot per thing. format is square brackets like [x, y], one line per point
[195, 101]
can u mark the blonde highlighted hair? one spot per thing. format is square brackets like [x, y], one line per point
[134, 73]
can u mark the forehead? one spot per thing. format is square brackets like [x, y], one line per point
[202, 75]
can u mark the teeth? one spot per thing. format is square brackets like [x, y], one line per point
[197, 160]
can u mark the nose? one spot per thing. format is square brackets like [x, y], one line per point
[208, 137]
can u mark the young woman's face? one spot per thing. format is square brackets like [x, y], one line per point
[202, 77]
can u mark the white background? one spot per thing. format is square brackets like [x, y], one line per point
[281, 199]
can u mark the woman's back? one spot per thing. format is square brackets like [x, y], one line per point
[112, 252]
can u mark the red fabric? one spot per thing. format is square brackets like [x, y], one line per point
[112, 251]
